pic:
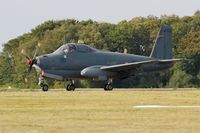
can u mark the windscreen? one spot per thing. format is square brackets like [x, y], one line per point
[66, 48]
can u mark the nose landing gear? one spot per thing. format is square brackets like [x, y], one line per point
[44, 86]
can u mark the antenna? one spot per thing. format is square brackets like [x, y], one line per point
[80, 41]
[125, 51]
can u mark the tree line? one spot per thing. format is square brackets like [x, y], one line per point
[137, 36]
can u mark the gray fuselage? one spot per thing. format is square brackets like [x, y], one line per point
[70, 64]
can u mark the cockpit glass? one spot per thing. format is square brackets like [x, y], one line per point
[71, 48]
[66, 48]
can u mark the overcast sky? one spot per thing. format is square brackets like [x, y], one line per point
[20, 16]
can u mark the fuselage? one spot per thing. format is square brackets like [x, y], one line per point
[70, 64]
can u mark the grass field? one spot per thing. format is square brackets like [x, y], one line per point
[95, 111]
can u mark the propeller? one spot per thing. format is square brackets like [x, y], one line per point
[30, 61]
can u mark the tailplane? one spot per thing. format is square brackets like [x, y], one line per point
[162, 48]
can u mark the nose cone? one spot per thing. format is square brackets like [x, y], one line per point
[30, 62]
[43, 61]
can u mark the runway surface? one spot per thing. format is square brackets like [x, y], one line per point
[96, 110]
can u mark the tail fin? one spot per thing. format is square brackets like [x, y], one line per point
[162, 48]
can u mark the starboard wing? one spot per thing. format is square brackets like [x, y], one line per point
[136, 65]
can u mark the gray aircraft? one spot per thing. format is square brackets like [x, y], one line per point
[79, 61]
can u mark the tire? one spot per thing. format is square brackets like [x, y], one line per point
[108, 87]
[70, 87]
[67, 88]
[105, 87]
[45, 87]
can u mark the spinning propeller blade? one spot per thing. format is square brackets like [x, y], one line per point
[30, 61]
[22, 52]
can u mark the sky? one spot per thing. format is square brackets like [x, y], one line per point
[20, 16]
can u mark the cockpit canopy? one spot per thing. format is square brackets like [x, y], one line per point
[71, 47]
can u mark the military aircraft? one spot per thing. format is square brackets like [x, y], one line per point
[79, 61]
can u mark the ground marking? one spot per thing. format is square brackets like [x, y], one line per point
[165, 107]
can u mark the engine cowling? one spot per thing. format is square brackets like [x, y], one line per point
[96, 73]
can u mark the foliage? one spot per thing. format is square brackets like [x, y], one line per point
[180, 79]
[132, 35]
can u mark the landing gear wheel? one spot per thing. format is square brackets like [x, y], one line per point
[45, 87]
[108, 87]
[67, 88]
[70, 87]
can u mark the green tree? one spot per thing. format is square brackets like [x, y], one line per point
[180, 79]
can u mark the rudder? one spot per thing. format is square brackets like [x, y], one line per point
[162, 48]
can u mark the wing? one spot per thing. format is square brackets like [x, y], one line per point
[127, 66]
[131, 67]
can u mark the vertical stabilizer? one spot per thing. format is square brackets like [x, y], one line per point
[162, 48]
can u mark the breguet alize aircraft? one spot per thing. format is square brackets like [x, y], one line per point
[79, 61]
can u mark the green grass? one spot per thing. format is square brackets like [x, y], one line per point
[95, 111]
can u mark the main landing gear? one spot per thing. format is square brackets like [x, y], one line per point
[70, 86]
[108, 86]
